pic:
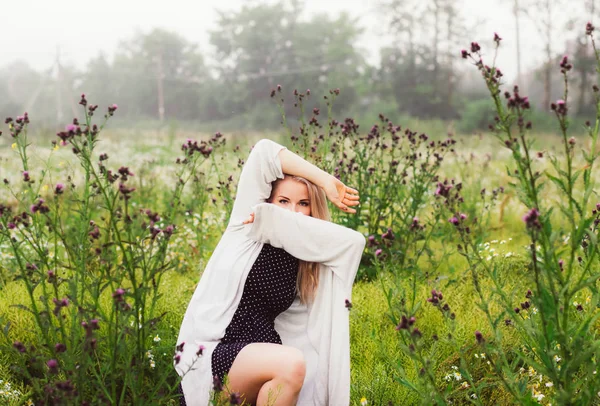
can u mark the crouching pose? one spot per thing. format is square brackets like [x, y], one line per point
[270, 310]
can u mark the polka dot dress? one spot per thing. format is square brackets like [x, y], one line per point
[270, 289]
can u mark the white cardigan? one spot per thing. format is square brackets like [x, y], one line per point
[320, 330]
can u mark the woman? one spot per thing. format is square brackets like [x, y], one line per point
[303, 356]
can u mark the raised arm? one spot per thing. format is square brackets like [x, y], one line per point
[267, 162]
[261, 169]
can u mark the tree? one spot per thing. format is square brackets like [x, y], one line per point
[419, 65]
[159, 74]
[263, 45]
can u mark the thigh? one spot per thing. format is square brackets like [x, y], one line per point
[258, 363]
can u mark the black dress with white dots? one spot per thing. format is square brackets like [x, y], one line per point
[269, 290]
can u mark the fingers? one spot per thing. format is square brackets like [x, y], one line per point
[350, 198]
[249, 219]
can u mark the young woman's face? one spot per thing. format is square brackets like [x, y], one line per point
[292, 195]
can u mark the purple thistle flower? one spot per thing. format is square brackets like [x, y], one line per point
[378, 252]
[59, 189]
[454, 221]
[201, 349]
[235, 399]
[52, 366]
[60, 347]
[118, 294]
[388, 235]
[589, 28]
[217, 384]
[531, 219]
[19, 346]
[479, 337]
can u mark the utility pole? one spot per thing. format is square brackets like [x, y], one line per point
[518, 31]
[161, 97]
[59, 114]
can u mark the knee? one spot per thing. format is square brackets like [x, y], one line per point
[295, 370]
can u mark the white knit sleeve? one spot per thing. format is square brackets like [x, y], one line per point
[254, 186]
[309, 239]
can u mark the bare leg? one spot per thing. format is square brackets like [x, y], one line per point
[263, 367]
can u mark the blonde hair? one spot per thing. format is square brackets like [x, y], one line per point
[308, 272]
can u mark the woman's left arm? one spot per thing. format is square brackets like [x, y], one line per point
[309, 239]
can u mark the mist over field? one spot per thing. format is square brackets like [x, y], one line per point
[213, 64]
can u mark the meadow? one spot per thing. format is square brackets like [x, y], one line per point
[478, 284]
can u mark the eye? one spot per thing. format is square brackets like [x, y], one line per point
[283, 201]
[304, 204]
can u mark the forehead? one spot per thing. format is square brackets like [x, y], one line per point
[292, 188]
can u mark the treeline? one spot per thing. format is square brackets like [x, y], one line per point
[160, 75]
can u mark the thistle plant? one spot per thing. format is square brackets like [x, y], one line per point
[92, 263]
[557, 333]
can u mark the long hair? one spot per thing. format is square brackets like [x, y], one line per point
[308, 272]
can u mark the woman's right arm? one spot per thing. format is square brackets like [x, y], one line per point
[254, 186]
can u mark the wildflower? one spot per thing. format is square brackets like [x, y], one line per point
[177, 358]
[60, 347]
[156, 338]
[378, 252]
[549, 384]
[454, 221]
[435, 297]
[118, 295]
[348, 304]
[538, 395]
[560, 107]
[363, 401]
[479, 337]
[201, 349]
[497, 39]
[19, 346]
[217, 384]
[112, 109]
[475, 47]
[464, 53]
[417, 333]
[59, 189]
[473, 396]
[388, 235]
[589, 28]
[531, 219]
[179, 347]
[557, 358]
[235, 399]
[465, 385]
[52, 366]
[26, 177]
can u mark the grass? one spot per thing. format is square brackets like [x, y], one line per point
[376, 354]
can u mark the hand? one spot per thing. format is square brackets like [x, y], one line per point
[249, 220]
[341, 195]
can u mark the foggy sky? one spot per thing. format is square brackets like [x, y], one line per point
[33, 30]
